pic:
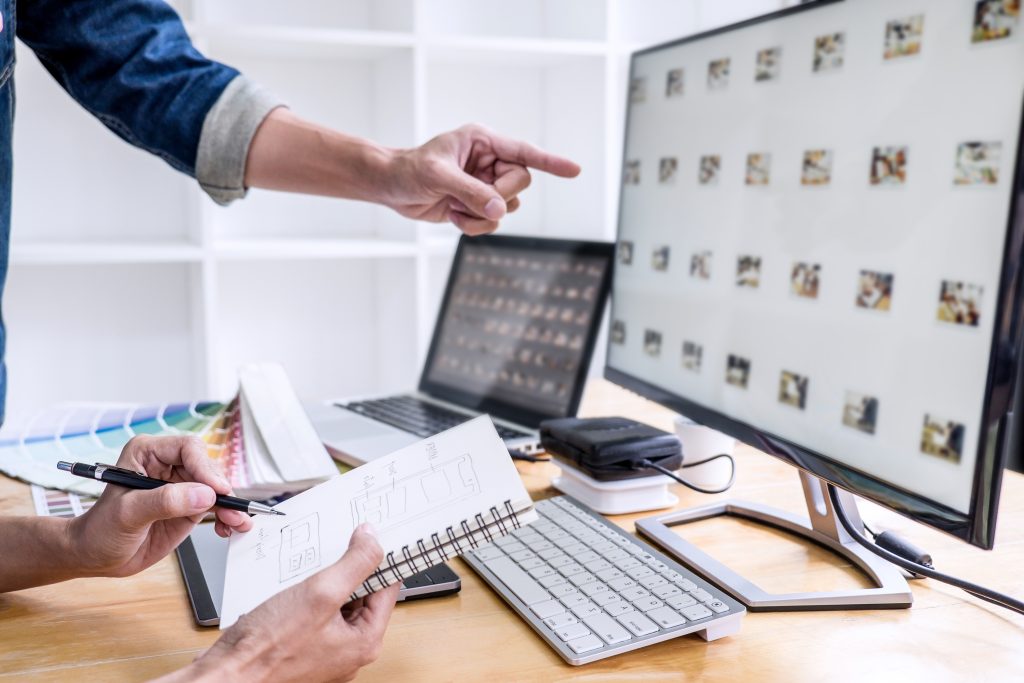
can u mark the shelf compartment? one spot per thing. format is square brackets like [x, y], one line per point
[54, 253]
[551, 19]
[308, 249]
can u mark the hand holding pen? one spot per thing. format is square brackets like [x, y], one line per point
[128, 530]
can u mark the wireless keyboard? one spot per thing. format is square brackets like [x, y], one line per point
[418, 417]
[592, 591]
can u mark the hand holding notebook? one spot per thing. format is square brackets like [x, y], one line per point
[429, 502]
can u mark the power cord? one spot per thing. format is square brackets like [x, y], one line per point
[525, 457]
[645, 464]
[920, 568]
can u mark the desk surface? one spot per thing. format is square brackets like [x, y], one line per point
[140, 627]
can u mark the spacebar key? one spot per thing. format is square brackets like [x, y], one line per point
[518, 581]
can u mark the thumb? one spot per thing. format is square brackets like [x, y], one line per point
[170, 501]
[479, 197]
[341, 579]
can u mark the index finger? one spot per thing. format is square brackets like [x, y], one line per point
[171, 455]
[376, 611]
[525, 154]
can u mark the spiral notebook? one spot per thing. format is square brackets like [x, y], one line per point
[429, 502]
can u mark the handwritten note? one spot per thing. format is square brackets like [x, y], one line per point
[419, 497]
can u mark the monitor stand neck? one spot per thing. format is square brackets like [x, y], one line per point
[821, 526]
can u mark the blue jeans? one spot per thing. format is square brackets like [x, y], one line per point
[129, 63]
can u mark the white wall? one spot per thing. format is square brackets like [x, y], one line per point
[128, 284]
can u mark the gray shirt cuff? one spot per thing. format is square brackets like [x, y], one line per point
[227, 133]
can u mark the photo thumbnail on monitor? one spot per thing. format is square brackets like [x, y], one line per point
[737, 371]
[625, 252]
[888, 165]
[828, 52]
[652, 343]
[942, 438]
[805, 279]
[769, 64]
[903, 36]
[667, 167]
[659, 258]
[638, 90]
[977, 163]
[617, 334]
[710, 167]
[995, 19]
[817, 167]
[874, 290]
[759, 168]
[674, 83]
[700, 265]
[631, 172]
[793, 389]
[748, 271]
[693, 354]
[718, 74]
[959, 303]
[860, 411]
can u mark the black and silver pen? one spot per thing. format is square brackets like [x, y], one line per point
[120, 476]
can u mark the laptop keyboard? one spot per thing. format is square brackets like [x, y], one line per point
[591, 590]
[418, 417]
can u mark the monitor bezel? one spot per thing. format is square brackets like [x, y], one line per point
[496, 407]
[999, 431]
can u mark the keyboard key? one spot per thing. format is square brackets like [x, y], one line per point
[600, 564]
[703, 595]
[522, 555]
[505, 541]
[585, 644]
[617, 608]
[537, 546]
[609, 574]
[617, 554]
[680, 601]
[673, 576]
[622, 583]
[548, 608]
[582, 578]
[639, 572]
[717, 606]
[560, 561]
[609, 630]
[560, 620]
[648, 603]
[532, 563]
[571, 631]
[556, 534]
[488, 553]
[572, 568]
[550, 553]
[565, 542]
[541, 572]
[665, 617]
[695, 612]
[573, 599]
[574, 548]
[603, 598]
[629, 563]
[594, 587]
[563, 589]
[513, 547]
[666, 590]
[687, 585]
[638, 624]
[551, 581]
[587, 609]
[657, 565]
[634, 593]
[653, 581]
[603, 546]
[584, 557]
[518, 581]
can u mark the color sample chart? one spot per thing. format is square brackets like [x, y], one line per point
[53, 503]
[30, 449]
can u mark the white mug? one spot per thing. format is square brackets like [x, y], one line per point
[701, 443]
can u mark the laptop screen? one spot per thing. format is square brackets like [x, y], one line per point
[517, 325]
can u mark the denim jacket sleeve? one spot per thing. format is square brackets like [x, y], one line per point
[132, 65]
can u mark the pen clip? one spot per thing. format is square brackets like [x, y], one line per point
[122, 470]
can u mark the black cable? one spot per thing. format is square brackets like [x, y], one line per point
[868, 529]
[669, 473]
[519, 455]
[986, 594]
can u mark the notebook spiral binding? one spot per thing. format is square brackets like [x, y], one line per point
[395, 570]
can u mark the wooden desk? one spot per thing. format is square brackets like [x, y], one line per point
[136, 628]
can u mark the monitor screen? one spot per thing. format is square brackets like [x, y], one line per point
[812, 246]
[516, 330]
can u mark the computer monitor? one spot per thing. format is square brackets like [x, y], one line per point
[819, 246]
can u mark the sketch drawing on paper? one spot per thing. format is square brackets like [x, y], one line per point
[388, 503]
[300, 547]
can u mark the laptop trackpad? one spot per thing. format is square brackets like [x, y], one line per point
[358, 437]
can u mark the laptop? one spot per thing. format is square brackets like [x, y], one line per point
[513, 339]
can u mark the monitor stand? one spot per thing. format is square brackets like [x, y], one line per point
[891, 591]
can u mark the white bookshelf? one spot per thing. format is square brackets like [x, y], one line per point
[127, 283]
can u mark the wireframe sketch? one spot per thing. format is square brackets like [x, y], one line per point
[300, 547]
[391, 502]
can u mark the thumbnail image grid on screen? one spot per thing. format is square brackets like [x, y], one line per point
[812, 223]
